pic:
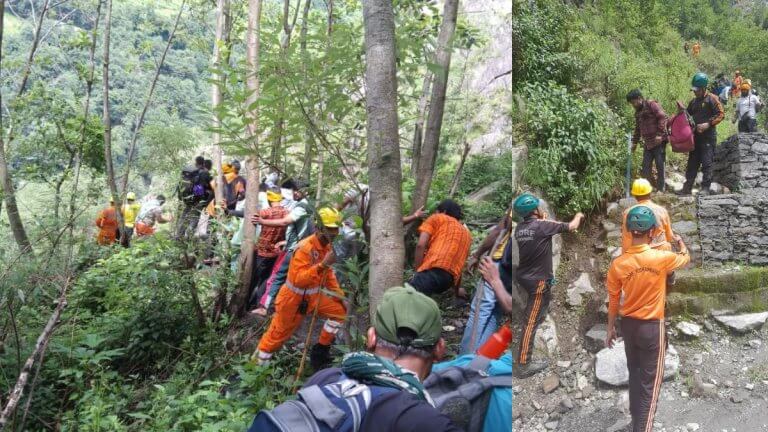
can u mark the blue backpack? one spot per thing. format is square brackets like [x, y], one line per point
[336, 407]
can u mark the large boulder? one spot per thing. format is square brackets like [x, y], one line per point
[611, 365]
[594, 340]
[743, 323]
[545, 340]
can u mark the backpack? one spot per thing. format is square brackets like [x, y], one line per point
[681, 133]
[339, 406]
[192, 189]
[474, 392]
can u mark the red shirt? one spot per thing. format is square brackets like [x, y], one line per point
[270, 235]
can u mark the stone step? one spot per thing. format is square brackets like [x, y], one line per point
[705, 303]
[720, 280]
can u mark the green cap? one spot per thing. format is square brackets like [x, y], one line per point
[406, 307]
[640, 219]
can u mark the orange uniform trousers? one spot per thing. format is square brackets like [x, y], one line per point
[287, 318]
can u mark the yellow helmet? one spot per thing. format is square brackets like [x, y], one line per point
[130, 196]
[274, 196]
[641, 187]
[746, 86]
[329, 217]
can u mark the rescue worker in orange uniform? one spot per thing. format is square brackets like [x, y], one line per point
[640, 274]
[661, 235]
[107, 223]
[311, 284]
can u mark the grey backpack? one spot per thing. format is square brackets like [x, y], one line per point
[463, 392]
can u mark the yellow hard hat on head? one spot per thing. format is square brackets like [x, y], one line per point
[746, 86]
[329, 217]
[130, 196]
[641, 187]
[274, 196]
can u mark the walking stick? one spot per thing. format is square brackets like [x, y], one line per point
[629, 164]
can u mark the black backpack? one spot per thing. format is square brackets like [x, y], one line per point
[193, 188]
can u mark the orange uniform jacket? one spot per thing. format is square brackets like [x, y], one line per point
[107, 223]
[305, 277]
[641, 274]
[661, 237]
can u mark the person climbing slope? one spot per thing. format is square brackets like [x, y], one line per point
[747, 108]
[311, 284]
[376, 391]
[106, 221]
[661, 235]
[640, 276]
[130, 211]
[442, 251]
[651, 129]
[534, 273]
[266, 249]
[151, 214]
[707, 113]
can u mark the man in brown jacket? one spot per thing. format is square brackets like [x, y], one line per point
[651, 128]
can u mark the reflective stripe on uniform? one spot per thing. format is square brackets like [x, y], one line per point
[331, 327]
[302, 291]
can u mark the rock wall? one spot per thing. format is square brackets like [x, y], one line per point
[741, 163]
[734, 228]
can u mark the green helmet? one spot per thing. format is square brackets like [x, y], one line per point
[525, 204]
[700, 80]
[641, 219]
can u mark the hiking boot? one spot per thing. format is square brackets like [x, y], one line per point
[320, 357]
[529, 369]
[683, 192]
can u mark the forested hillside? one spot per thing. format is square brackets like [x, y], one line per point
[101, 99]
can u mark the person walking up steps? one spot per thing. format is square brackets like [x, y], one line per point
[651, 130]
[747, 108]
[640, 275]
[534, 273]
[707, 113]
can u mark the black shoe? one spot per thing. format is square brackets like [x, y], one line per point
[683, 192]
[320, 357]
[529, 369]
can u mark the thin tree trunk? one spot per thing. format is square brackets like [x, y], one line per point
[388, 256]
[309, 138]
[247, 254]
[107, 120]
[457, 176]
[430, 147]
[222, 11]
[418, 129]
[320, 169]
[83, 128]
[285, 43]
[140, 122]
[40, 347]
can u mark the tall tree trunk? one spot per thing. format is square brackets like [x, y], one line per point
[418, 129]
[247, 255]
[388, 254]
[107, 120]
[430, 147]
[309, 138]
[285, 43]
[457, 175]
[83, 128]
[222, 12]
[140, 121]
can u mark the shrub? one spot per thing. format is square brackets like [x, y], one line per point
[575, 147]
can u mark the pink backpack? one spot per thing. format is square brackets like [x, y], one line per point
[680, 134]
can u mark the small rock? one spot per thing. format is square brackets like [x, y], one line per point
[697, 359]
[582, 382]
[614, 251]
[577, 395]
[743, 323]
[685, 227]
[551, 425]
[689, 329]
[702, 389]
[611, 364]
[684, 394]
[609, 226]
[550, 384]
[449, 328]
[755, 343]
[566, 405]
[738, 397]
[728, 383]
[749, 387]
[594, 340]
[612, 209]
[587, 391]
[578, 289]
[620, 425]
[536, 405]
[565, 364]
[692, 427]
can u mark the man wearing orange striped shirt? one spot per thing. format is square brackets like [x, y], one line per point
[640, 274]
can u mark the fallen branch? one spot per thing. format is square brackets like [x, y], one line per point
[40, 347]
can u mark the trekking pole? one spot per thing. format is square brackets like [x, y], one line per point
[629, 164]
